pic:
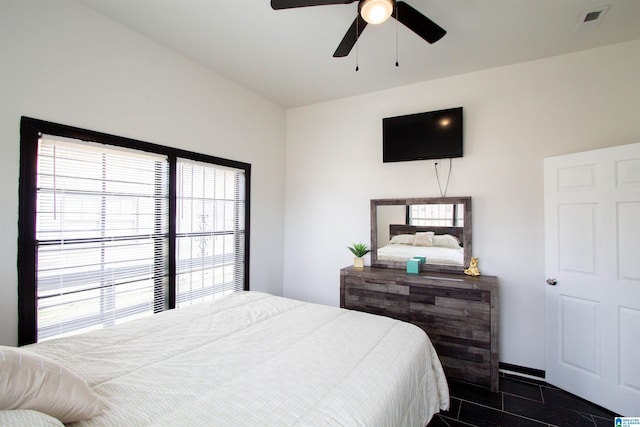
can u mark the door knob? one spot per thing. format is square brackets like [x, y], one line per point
[551, 281]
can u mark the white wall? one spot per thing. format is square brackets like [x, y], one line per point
[62, 62]
[514, 117]
[387, 215]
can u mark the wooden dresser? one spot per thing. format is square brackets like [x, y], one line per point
[458, 312]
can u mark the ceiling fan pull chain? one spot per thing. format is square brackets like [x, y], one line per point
[357, 37]
[396, 7]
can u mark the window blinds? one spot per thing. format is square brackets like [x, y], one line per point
[101, 235]
[436, 215]
[210, 231]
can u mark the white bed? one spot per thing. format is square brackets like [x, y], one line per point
[433, 254]
[253, 359]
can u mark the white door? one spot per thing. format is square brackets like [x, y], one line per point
[592, 240]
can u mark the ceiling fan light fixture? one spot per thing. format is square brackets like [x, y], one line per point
[375, 11]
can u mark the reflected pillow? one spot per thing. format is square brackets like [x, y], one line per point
[31, 381]
[446, 241]
[402, 239]
[424, 238]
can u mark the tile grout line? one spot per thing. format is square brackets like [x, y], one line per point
[519, 396]
[593, 420]
[456, 420]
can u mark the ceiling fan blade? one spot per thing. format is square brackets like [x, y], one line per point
[418, 23]
[350, 37]
[290, 4]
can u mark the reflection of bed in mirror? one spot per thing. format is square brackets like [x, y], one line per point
[439, 245]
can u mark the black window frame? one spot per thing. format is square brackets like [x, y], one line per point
[30, 132]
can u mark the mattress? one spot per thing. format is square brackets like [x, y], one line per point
[250, 359]
[433, 254]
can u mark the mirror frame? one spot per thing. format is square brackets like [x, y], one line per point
[467, 231]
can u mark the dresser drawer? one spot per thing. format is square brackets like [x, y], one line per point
[386, 298]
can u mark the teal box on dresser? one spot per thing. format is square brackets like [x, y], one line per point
[413, 266]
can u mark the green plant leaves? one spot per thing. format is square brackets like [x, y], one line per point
[359, 249]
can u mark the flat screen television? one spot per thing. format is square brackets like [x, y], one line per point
[422, 136]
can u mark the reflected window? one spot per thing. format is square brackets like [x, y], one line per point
[437, 215]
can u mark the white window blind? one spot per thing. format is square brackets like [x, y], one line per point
[210, 231]
[101, 235]
[437, 215]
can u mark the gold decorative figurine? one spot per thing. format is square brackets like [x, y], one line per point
[473, 267]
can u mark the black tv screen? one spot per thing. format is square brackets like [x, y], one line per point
[422, 136]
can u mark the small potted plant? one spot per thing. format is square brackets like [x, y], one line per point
[359, 250]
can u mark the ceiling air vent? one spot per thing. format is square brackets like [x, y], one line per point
[590, 19]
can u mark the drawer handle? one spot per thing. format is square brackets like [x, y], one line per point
[373, 282]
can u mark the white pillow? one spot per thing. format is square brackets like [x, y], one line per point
[424, 238]
[446, 241]
[402, 239]
[31, 381]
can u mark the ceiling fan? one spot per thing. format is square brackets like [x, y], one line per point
[373, 12]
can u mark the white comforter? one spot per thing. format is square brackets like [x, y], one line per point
[252, 359]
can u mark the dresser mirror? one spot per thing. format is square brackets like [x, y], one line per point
[438, 229]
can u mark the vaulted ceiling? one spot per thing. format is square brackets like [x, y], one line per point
[286, 55]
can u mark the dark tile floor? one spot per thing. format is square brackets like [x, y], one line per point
[520, 402]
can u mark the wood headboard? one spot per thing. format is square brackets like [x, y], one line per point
[396, 229]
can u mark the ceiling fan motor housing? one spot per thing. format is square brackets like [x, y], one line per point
[376, 11]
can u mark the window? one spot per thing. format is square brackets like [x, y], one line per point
[210, 231]
[436, 215]
[101, 235]
[113, 229]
